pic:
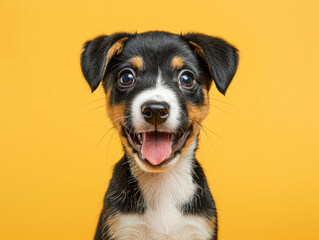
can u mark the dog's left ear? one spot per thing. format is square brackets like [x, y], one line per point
[220, 57]
[97, 54]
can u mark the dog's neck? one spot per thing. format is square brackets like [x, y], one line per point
[172, 187]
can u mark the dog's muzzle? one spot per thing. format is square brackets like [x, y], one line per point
[158, 144]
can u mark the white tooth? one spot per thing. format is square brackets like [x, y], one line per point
[140, 137]
[172, 138]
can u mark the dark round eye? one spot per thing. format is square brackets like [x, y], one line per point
[187, 79]
[127, 78]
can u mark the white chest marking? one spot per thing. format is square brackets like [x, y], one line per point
[152, 227]
[164, 193]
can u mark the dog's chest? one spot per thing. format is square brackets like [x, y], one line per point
[165, 194]
[163, 225]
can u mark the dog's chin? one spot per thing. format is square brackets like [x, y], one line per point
[173, 143]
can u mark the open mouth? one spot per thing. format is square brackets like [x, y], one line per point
[157, 147]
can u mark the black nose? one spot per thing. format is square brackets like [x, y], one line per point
[155, 112]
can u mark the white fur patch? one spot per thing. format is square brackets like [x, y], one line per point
[160, 93]
[164, 194]
[136, 227]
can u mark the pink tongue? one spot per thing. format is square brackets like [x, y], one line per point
[156, 147]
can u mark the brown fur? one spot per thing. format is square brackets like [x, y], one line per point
[137, 171]
[177, 62]
[137, 62]
[115, 112]
[198, 113]
[199, 51]
[212, 222]
[112, 223]
[117, 115]
[116, 49]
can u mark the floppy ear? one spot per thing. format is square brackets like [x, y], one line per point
[97, 54]
[220, 57]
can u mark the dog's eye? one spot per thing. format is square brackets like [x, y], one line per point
[127, 78]
[187, 79]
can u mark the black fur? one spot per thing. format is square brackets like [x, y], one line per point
[94, 55]
[122, 196]
[221, 57]
[202, 202]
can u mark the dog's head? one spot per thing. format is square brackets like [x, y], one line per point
[156, 86]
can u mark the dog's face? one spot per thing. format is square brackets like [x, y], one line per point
[156, 86]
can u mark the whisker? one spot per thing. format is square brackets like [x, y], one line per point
[108, 145]
[93, 101]
[123, 124]
[110, 123]
[90, 110]
[221, 109]
[215, 99]
[215, 134]
[130, 131]
[202, 157]
[115, 130]
[182, 129]
[210, 140]
[119, 118]
[103, 137]
[106, 125]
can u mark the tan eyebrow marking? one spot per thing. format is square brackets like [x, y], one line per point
[116, 49]
[198, 49]
[177, 62]
[137, 62]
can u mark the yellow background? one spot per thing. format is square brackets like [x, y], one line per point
[53, 169]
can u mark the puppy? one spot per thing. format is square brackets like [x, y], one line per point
[156, 86]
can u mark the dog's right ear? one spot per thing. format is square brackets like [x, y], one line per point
[97, 54]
